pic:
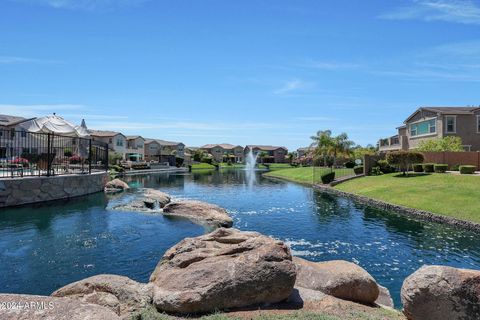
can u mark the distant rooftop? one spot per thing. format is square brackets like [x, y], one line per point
[103, 133]
[6, 120]
[162, 142]
[226, 146]
[452, 110]
[266, 148]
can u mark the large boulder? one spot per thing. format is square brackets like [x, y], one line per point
[30, 307]
[341, 279]
[198, 211]
[116, 185]
[384, 297]
[120, 294]
[158, 197]
[439, 292]
[225, 269]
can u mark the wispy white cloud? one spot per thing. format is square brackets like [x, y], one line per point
[292, 86]
[18, 60]
[84, 4]
[329, 65]
[37, 110]
[458, 11]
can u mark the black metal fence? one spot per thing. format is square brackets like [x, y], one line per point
[46, 154]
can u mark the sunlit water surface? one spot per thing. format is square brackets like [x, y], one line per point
[47, 246]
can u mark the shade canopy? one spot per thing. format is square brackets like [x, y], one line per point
[55, 124]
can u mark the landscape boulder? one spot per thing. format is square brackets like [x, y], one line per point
[439, 292]
[224, 269]
[198, 211]
[120, 294]
[30, 307]
[116, 185]
[384, 297]
[341, 279]
[158, 197]
[150, 199]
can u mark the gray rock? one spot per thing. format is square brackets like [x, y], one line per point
[384, 297]
[341, 279]
[439, 292]
[157, 196]
[198, 211]
[116, 185]
[30, 307]
[120, 294]
[225, 269]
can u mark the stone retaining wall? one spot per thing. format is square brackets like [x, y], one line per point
[411, 212]
[19, 191]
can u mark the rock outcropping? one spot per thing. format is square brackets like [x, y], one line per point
[30, 307]
[224, 269]
[341, 279]
[120, 294]
[116, 185]
[198, 211]
[439, 292]
[150, 199]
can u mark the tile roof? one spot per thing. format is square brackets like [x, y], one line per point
[451, 110]
[265, 148]
[225, 146]
[7, 120]
[162, 142]
[103, 133]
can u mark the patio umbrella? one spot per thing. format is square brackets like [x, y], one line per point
[54, 124]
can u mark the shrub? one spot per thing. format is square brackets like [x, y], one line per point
[403, 159]
[376, 171]
[178, 162]
[358, 169]
[467, 169]
[440, 168]
[417, 167]
[455, 167]
[428, 167]
[385, 167]
[328, 177]
[350, 164]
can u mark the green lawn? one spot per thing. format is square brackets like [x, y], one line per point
[446, 194]
[202, 166]
[306, 175]
[225, 165]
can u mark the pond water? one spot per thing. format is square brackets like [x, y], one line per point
[44, 247]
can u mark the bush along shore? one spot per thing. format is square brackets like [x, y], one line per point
[238, 274]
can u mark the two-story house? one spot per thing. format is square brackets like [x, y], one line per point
[274, 154]
[225, 152]
[436, 122]
[135, 148]
[12, 136]
[163, 151]
[117, 142]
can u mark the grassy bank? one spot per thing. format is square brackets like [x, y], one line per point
[202, 166]
[450, 195]
[306, 175]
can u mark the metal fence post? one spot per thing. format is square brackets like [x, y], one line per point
[49, 145]
[90, 158]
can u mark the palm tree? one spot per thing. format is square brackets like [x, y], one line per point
[291, 156]
[340, 145]
[322, 143]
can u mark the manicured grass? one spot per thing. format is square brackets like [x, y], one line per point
[446, 194]
[225, 165]
[202, 166]
[306, 175]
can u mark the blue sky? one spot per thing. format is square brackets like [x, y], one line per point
[238, 71]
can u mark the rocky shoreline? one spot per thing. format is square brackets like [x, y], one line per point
[242, 273]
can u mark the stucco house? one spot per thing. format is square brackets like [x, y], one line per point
[225, 152]
[11, 135]
[436, 122]
[135, 148]
[117, 142]
[275, 154]
[162, 150]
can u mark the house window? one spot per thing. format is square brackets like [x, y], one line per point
[119, 142]
[24, 134]
[478, 124]
[451, 124]
[423, 127]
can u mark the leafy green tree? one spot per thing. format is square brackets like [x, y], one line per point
[262, 155]
[449, 143]
[404, 159]
[291, 156]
